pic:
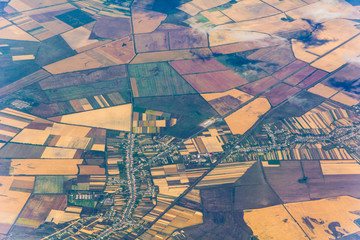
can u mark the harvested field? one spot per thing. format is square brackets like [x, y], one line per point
[146, 21]
[284, 180]
[53, 152]
[150, 42]
[187, 38]
[243, 119]
[215, 81]
[279, 93]
[327, 218]
[245, 46]
[78, 38]
[249, 9]
[323, 90]
[224, 174]
[225, 102]
[157, 79]
[285, 6]
[259, 86]
[91, 170]
[45, 166]
[338, 57]
[11, 201]
[116, 118]
[339, 167]
[273, 223]
[343, 98]
[117, 52]
[49, 185]
[33, 215]
[111, 27]
[197, 66]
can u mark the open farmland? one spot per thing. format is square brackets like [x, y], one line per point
[45, 166]
[116, 118]
[244, 118]
[49, 184]
[157, 79]
[11, 201]
[33, 215]
[225, 102]
[214, 81]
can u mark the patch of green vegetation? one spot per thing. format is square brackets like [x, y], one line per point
[296, 106]
[91, 89]
[239, 63]
[82, 202]
[52, 50]
[287, 18]
[158, 79]
[49, 184]
[75, 18]
[190, 111]
[11, 71]
[200, 18]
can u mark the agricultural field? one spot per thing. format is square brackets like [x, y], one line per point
[157, 79]
[181, 119]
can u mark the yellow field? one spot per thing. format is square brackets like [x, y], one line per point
[249, 9]
[338, 167]
[11, 202]
[285, 5]
[116, 118]
[15, 33]
[345, 99]
[273, 223]
[58, 216]
[195, 6]
[338, 57]
[170, 55]
[321, 213]
[32, 136]
[45, 166]
[239, 95]
[221, 36]
[243, 119]
[323, 90]
[78, 62]
[53, 152]
[299, 53]
[212, 144]
[78, 38]
[225, 173]
[23, 6]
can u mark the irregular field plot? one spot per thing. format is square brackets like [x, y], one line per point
[243, 119]
[157, 79]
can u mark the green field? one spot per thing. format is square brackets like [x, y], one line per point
[158, 79]
[190, 110]
[75, 18]
[91, 89]
[10, 71]
[49, 184]
[248, 69]
[52, 50]
[82, 202]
